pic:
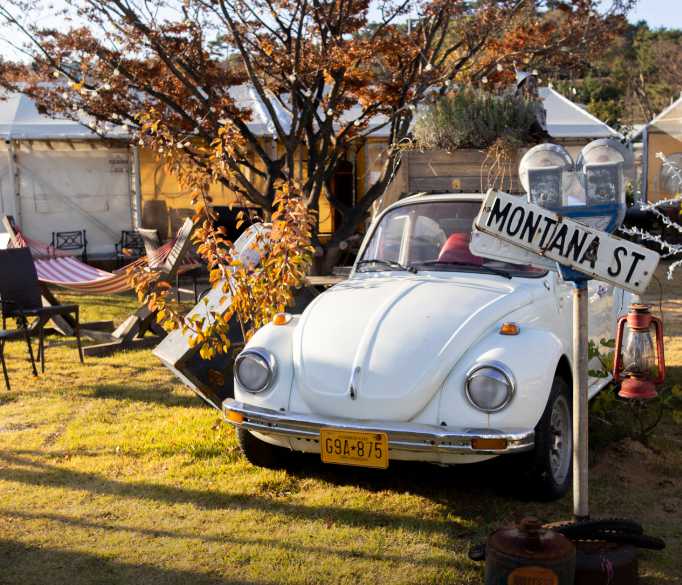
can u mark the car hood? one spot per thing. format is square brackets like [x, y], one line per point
[381, 347]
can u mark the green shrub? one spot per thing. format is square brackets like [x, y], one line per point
[475, 119]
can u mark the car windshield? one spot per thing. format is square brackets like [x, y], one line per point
[432, 236]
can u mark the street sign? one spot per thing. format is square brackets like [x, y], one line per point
[595, 253]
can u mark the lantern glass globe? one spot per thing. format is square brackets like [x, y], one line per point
[639, 355]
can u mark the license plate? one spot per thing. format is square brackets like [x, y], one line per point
[354, 448]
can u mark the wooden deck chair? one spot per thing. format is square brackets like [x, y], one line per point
[190, 266]
[131, 333]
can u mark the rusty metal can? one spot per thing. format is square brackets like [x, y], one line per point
[529, 554]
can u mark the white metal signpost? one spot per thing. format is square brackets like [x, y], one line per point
[595, 253]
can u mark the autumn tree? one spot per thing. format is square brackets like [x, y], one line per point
[633, 79]
[325, 73]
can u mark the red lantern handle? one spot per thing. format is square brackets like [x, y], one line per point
[659, 350]
[618, 356]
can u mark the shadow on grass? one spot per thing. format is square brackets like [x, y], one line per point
[473, 483]
[162, 396]
[27, 564]
[673, 375]
[38, 473]
[295, 547]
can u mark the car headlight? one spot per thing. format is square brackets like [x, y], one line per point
[255, 369]
[490, 386]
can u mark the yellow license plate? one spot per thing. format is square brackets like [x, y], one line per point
[354, 448]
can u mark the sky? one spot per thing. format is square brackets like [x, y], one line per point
[658, 13]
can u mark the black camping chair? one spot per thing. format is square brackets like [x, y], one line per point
[70, 241]
[10, 335]
[21, 300]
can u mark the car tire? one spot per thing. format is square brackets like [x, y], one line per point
[259, 452]
[550, 465]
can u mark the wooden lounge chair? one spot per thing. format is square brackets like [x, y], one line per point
[191, 267]
[22, 300]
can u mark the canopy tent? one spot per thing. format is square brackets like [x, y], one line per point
[662, 136]
[567, 120]
[57, 175]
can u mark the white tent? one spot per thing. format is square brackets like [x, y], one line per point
[567, 120]
[57, 175]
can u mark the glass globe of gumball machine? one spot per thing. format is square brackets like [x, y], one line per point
[639, 363]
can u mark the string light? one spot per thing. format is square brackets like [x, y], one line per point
[484, 79]
[500, 69]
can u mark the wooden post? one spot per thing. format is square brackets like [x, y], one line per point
[580, 402]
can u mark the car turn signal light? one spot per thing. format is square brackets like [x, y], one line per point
[489, 444]
[281, 318]
[509, 329]
[235, 417]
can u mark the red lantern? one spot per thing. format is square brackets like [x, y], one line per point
[634, 365]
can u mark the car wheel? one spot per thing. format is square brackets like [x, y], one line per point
[259, 452]
[551, 461]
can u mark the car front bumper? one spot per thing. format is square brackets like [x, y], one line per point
[402, 436]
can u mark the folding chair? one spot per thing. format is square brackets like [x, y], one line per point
[22, 299]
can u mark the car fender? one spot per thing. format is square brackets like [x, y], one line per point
[533, 357]
[276, 339]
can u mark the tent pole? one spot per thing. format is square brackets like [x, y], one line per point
[14, 178]
[137, 189]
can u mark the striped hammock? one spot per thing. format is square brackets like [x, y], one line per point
[58, 268]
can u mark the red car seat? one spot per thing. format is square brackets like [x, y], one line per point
[456, 249]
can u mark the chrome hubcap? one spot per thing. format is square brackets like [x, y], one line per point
[560, 441]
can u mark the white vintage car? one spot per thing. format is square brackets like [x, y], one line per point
[426, 353]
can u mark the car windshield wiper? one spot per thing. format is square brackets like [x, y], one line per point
[389, 263]
[481, 267]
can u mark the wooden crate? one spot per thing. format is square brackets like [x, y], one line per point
[463, 171]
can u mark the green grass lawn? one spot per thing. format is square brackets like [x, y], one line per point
[113, 472]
